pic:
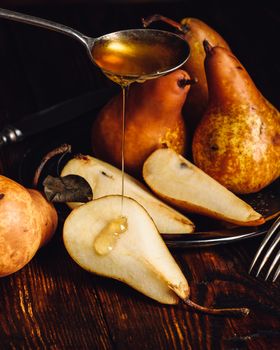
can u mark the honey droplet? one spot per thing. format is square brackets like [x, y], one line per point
[108, 236]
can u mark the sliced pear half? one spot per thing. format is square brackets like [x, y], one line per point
[180, 183]
[140, 258]
[106, 179]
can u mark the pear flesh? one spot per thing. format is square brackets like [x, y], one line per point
[106, 179]
[140, 258]
[180, 183]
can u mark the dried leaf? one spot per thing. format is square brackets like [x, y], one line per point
[70, 188]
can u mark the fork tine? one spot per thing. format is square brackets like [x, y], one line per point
[273, 265]
[276, 274]
[269, 251]
[264, 242]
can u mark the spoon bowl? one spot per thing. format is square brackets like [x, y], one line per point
[124, 56]
[139, 54]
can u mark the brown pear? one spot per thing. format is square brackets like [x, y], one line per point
[238, 139]
[194, 31]
[153, 120]
[27, 222]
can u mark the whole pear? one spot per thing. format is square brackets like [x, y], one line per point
[153, 120]
[194, 31]
[238, 139]
[27, 222]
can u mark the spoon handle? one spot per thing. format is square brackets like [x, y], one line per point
[44, 23]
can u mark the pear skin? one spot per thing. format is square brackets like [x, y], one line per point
[27, 222]
[153, 120]
[238, 140]
[195, 32]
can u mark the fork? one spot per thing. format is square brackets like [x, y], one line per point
[272, 248]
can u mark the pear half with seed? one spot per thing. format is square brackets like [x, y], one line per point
[106, 179]
[180, 183]
[139, 256]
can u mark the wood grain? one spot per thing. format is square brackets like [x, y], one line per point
[52, 303]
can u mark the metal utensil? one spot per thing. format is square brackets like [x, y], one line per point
[213, 238]
[110, 51]
[269, 247]
[54, 116]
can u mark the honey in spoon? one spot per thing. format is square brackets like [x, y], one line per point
[137, 55]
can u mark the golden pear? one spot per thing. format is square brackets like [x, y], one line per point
[27, 222]
[238, 139]
[153, 120]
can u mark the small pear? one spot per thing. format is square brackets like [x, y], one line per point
[238, 139]
[27, 222]
[105, 179]
[194, 31]
[181, 184]
[153, 119]
[127, 248]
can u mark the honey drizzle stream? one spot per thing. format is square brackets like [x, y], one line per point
[110, 233]
[125, 62]
[124, 99]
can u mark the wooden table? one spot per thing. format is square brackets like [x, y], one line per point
[52, 303]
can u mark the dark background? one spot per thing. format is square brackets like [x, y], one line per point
[49, 59]
[39, 68]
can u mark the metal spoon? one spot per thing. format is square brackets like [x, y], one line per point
[129, 54]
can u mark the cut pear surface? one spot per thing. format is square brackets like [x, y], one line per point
[180, 183]
[106, 179]
[139, 258]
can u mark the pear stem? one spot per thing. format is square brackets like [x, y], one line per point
[238, 312]
[154, 18]
[184, 82]
[59, 150]
[207, 46]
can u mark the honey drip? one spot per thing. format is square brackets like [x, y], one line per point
[109, 235]
[124, 95]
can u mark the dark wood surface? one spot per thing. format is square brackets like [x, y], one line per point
[52, 303]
